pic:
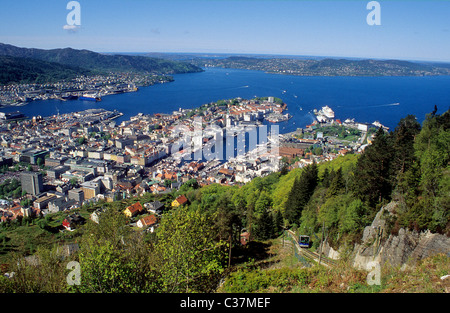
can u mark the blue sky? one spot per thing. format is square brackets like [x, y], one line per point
[411, 30]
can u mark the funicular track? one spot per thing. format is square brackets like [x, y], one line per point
[310, 255]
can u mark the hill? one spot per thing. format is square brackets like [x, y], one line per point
[328, 67]
[25, 70]
[100, 62]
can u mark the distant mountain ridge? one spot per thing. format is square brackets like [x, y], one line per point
[25, 70]
[328, 66]
[97, 62]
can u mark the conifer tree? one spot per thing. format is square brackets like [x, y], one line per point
[278, 223]
[326, 178]
[337, 184]
[372, 176]
[300, 193]
[265, 228]
[403, 142]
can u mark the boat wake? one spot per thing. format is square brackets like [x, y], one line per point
[370, 106]
[384, 105]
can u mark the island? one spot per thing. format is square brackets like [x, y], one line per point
[326, 66]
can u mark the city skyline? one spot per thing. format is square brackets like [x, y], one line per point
[409, 30]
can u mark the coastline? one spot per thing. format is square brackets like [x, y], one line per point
[350, 97]
[43, 94]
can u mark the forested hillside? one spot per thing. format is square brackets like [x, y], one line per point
[36, 65]
[198, 244]
[24, 70]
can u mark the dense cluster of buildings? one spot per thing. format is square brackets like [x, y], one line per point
[73, 159]
[98, 85]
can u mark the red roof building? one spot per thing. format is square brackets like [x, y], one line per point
[179, 201]
[147, 221]
[133, 210]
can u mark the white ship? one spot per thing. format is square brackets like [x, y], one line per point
[325, 114]
[321, 118]
[328, 112]
[379, 125]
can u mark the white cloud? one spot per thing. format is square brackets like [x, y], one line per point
[71, 28]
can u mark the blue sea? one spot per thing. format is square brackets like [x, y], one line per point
[366, 99]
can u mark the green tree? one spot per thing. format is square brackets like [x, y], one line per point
[300, 193]
[278, 223]
[40, 162]
[431, 210]
[263, 203]
[337, 184]
[81, 140]
[372, 181]
[326, 178]
[115, 259]
[404, 163]
[42, 223]
[329, 211]
[190, 258]
[265, 226]
[351, 216]
[432, 146]
[229, 220]
[403, 141]
[191, 184]
[318, 151]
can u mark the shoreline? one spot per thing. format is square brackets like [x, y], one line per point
[104, 90]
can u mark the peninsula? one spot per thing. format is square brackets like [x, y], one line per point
[327, 67]
[37, 74]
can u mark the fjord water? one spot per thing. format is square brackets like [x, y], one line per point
[367, 99]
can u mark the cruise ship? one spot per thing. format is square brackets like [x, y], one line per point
[325, 114]
[90, 97]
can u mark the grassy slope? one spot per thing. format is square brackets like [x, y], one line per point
[281, 271]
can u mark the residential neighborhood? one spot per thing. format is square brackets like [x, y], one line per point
[19, 94]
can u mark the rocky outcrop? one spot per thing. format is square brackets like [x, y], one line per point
[403, 249]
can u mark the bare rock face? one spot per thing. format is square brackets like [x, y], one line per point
[397, 250]
[409, 247]
[403, 249]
